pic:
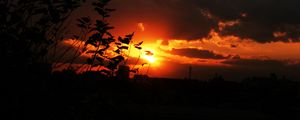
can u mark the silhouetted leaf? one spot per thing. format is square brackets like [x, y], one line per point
[98, 4]
[91, 42]
[138, 47]
[120, 38]
[117, 51]
[86, 19]
[125, 40]
[84, 49]
[109, 28]
[130, 35]
[149, 53]
[109, 34]
[89, 61]
[112, 65]
[117, 43]
[109, 10]
[107, 41]
[76, 37]
[100, 11]
[117, 59]
[123, 47]
[80, 21]
[100, 52]
[139, 44]
[106, 15]
[99, 59]
[100, 23]
[134, 70]
[81, 26]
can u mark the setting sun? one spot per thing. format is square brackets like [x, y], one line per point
[148, 55]
[151, 59]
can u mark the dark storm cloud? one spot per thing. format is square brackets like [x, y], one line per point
[254, 63]
[263, 18]
[189, 19]
[183, 18]
[189, 22]
[196, 53]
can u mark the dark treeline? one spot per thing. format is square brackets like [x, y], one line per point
[92, 96]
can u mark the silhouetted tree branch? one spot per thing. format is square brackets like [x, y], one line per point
[29, 28]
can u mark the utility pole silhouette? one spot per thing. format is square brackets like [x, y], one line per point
[190, 73]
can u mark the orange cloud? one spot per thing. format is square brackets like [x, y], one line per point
[141, 26]
[244, 15]
[224, 24]
[279, 34]
[231, 46]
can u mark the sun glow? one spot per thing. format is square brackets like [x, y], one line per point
[151, 59]
[149, 56]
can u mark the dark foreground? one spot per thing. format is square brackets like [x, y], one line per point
[68, 96]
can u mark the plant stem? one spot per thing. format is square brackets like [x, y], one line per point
[128, 54]
[148, 69]
[137, 61]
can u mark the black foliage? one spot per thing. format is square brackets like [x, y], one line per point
[123, 47]
[139, 44]
[28, 28]
[135, 70]
[101, 38]
[84, 22]
[127, 38]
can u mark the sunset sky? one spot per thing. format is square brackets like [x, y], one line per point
[235, 38]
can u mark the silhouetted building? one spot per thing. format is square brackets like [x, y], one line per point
[140, 77]
[123, 72]
[190, 73]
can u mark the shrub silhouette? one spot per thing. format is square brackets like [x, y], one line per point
[28, 29]
[102, 47]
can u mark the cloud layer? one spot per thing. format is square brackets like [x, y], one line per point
[194, 19]
[196, 53]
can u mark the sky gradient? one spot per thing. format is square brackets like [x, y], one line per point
[235, 38]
